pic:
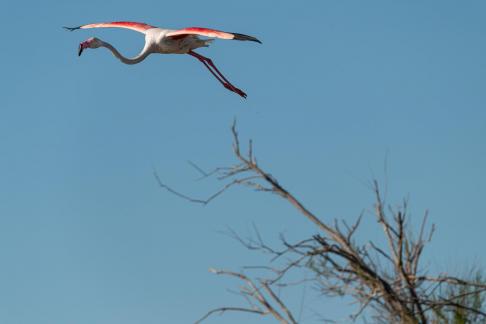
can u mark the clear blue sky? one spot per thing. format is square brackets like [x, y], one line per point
[86, 236]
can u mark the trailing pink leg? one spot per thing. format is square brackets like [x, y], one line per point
[208, 63]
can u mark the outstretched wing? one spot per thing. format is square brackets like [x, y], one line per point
[213, 33]
[139, 27]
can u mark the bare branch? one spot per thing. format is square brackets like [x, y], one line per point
[178, 194]
[387, 279]
[195, 166]
[279, 302]
[222, 310]
[254, 292]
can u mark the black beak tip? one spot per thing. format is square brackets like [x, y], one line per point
[80, 50]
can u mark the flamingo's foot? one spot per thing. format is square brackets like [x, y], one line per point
[231, 87]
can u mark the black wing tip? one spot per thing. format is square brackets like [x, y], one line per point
[243, 37]
[71, 28]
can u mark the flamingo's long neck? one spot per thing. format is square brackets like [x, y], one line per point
[137, 59]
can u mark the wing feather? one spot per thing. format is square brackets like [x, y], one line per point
[136, 26]
[213, 33]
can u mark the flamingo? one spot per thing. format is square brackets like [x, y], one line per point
[167, 41]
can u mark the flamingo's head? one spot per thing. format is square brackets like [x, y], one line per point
[92, 42]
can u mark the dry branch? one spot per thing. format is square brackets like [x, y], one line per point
[389, 281]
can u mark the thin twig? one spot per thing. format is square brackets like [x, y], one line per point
[221, 310]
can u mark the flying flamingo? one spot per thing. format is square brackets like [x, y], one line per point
[167, 41]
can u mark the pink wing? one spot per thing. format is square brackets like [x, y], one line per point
[140, 27]
[213, 33]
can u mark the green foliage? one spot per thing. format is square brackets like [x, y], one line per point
[464, 303]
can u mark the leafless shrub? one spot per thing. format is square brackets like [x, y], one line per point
[388, 280]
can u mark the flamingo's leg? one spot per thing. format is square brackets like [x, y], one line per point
[208, 63]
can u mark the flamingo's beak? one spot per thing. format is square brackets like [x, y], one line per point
[80, 50]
